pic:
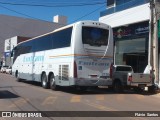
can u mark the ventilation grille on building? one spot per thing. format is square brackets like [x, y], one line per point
[110, 3]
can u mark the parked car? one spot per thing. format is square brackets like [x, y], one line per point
[3, 69]
[124, 77]
[9, 70]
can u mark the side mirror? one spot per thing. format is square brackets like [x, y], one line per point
[12, 52]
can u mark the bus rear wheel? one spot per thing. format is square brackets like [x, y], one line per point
[44, 81]
[53, 85]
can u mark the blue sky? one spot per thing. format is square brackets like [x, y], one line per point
[74, 13]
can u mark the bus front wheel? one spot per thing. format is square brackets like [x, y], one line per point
[17, 77]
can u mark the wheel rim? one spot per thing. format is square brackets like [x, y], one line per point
[44, 83]
[52, 81]
[44, 80]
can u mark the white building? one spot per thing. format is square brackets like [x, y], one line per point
[9, 45]
[130, 22]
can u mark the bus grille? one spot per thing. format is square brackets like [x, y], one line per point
[64, 72]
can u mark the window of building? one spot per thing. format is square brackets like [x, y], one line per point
[8, 48]
[132, 52]
[110, 3]
[120, 2]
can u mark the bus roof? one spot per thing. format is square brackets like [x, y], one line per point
[61, 28]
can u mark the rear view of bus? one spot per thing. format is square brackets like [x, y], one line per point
[93, 53]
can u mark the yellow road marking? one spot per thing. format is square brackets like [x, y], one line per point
[99, 97]
[49, 101]
[101, 107]
[139, 97]
[19, 102]
[76, 98]
[120, 97]
[46, 91]
[104, 108]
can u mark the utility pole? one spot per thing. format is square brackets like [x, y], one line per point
[153, 52]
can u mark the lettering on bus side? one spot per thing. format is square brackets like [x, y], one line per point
[35, 59]
[93, 63]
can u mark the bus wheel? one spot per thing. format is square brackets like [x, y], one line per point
[17, 77]
[44, 81]
[117, 86]
[53, 85]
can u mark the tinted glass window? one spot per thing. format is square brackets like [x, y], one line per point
[55, 40]
[43, 43]
[123, 68]
[27, 47]
[62, 38]
[95, 36]
[23, 48]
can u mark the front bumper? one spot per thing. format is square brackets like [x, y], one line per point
[141, 85]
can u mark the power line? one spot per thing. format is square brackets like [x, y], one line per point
[89, 13]
[59, 2]
[55, 4]
[48, 21]
[18, 12]
[28, 16]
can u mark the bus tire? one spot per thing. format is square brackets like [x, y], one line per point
[44, 81]
[52, 81]
[117, 86]
[17, 77]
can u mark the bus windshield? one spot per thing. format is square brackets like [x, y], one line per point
[95, 36]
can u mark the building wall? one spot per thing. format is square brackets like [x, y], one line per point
[129, 16]
[8, 47]
[131, 35]
[11, 26]
[10, 43]
[131, 43]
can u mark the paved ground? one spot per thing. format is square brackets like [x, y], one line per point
[30, 96]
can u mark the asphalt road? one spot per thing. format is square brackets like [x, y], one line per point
[30, 96]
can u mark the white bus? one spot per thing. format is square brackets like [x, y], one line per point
[79, 54]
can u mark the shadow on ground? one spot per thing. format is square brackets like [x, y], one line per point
[5, 94]
[73, 90]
